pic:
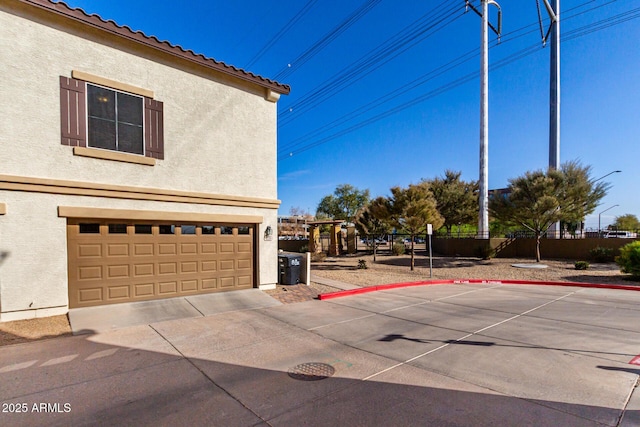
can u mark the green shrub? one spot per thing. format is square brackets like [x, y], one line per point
[397, 249]
[629, 259]
[304, 248]
[362, 264]
[600, 254]
[581, 265]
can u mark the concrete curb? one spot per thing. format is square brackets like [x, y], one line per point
[368, 289]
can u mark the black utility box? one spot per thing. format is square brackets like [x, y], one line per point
[289, 269]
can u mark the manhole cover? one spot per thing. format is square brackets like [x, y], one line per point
[312, 371]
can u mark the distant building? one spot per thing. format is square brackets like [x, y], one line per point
[293, 227]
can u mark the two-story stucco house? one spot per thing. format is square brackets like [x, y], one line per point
[130, 169]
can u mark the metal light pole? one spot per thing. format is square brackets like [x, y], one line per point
[483, 216]
[603, 177]
[601, 214]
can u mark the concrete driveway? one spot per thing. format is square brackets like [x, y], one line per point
[445, 355]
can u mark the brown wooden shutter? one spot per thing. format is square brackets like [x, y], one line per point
[154, 131]
[73, 117]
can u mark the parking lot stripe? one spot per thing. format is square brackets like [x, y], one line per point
[469, 335]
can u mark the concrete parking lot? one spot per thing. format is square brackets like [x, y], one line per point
[442, 355]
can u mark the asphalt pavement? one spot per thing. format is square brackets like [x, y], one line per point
[440, 355]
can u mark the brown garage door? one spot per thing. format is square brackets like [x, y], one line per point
[118, 261]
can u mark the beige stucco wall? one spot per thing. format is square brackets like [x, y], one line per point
[219, 138]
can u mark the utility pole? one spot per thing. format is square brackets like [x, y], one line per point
[483, 216]
[553, 10]
[554, 98]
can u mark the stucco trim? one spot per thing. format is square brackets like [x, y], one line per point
[140, 215]
[78, 188]
[113, 155]
[3, 209]
[102, 81]
[272, 96]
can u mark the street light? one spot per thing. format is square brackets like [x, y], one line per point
[602, 213]
[603, 177]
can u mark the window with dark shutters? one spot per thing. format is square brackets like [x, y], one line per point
[108, 129]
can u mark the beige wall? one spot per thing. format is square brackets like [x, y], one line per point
[219, 138]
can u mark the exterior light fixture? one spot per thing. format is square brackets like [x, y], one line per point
[268, 233]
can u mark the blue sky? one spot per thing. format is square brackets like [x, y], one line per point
[374, 112]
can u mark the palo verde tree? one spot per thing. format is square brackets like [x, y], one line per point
[539, 199]
[409, 209]
[368, 225]
[343, 203]
[456, 200]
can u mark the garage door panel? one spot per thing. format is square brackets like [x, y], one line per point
[188, 248]
[119, 292]
[87, 250]
[208, 284]
[227, 282]
[90, 295]
[227, 265]
[167, 268]
[244, 281]
[90, 273]
[118, 250]
[209, 247]
[244, 247]
[107, 267]
[189, 285]
[208, 266]
[244, 264]
[143, 249]
[117, 271]
[167, 249]
[188, 267]
[144, 290]
[165, 288]
[227, 248]
[142, 270]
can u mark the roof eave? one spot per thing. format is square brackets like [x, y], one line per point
[110, 26]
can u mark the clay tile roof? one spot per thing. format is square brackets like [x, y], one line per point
[126, 32]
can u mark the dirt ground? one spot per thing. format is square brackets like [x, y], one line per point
[386, 269]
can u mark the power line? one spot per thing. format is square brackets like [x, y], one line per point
[281, 33]
[578, 32]
[387, 97]
[371, 61]
[391, 48]
[326, 39]
[423, 79]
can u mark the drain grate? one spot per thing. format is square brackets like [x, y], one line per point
[312, 371]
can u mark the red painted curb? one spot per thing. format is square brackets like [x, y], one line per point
[368, 289]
